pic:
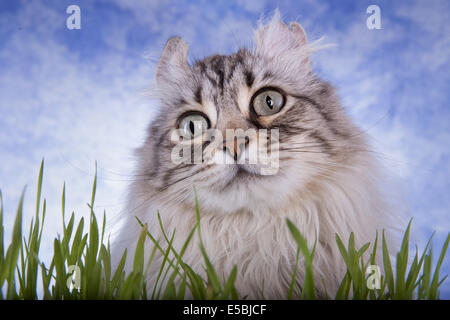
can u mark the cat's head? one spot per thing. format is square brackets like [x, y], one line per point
[269, 87]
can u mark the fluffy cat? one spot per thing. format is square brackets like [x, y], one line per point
[328, 181]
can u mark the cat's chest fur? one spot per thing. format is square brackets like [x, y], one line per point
[259, 243]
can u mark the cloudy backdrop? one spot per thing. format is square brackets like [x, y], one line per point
[75, 97]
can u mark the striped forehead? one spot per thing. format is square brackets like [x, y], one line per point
[223, 79]
[223, 73]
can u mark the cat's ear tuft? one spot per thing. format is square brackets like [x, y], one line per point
[277, 40]
[173, 59]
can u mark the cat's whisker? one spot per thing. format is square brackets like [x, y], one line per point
[346, 149]
[185, 177]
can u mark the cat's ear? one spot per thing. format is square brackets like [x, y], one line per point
[299, 32]
[276, 40]
[173, 62]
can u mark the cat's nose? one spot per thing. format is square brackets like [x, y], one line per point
[235, 146]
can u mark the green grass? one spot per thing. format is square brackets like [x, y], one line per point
[86, 247]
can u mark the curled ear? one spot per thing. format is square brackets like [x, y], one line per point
[173, 62]
[299, 32]
[276, 40]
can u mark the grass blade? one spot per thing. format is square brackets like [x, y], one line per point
[308, 284]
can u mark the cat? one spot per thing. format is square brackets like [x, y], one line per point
[327, 181]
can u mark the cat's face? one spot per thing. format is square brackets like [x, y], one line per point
[270, 87]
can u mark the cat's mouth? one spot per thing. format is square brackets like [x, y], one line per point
[242, 174]
[242, 171]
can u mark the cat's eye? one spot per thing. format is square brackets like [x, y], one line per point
[267, 102]
[193, 125]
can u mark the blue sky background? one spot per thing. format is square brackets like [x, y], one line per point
[76, 96]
